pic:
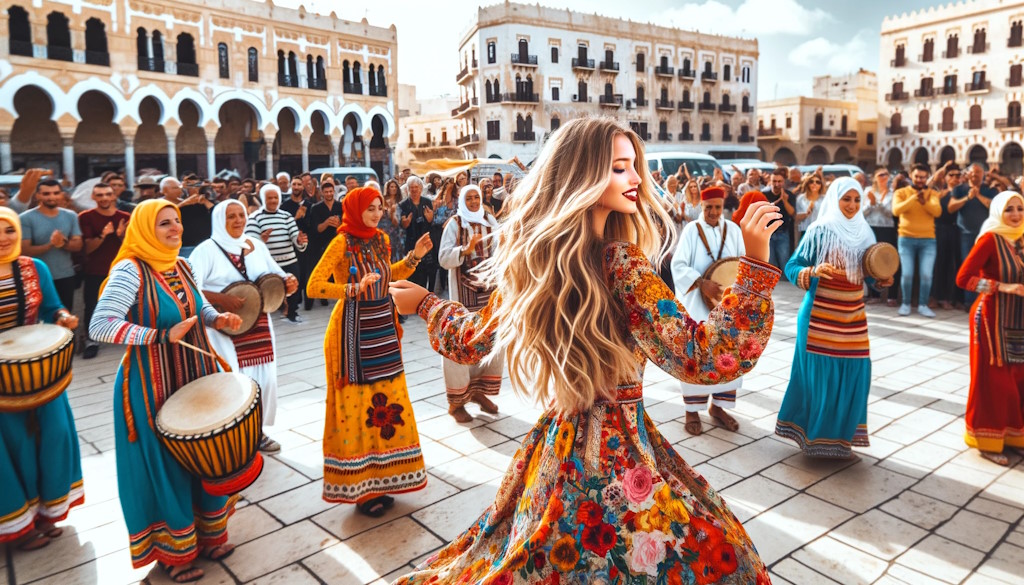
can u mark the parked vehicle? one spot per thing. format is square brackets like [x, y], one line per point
[744, 165]
[699, 165]
[834, 170]
[362, 174]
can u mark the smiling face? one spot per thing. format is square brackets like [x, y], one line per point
[712, 210]
[473, 201]
[371, 216]
[104, 197]
[8, 237]
[849, 203]
[235, 220]
[1013, 213]
[920, 178]
[50, 196]
[296, 187]
[168, 227]
[621, 193]
[271, 200]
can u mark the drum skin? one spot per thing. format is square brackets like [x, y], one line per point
[252, 305]
[273, 289]
[222, 450]
[35, 365]
[723, 272]
[881, 261]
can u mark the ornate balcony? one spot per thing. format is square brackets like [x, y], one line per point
[609, 66]
[665, 71]
[524, 60]
[610, 101]
[660, 104]
[584, 64]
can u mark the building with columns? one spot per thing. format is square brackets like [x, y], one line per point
[93, 85]
[525, 69]
[950, 85]
[837, 124]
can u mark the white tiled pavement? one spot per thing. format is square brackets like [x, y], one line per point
[919, 508]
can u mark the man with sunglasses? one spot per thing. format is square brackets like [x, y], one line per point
[945, 293]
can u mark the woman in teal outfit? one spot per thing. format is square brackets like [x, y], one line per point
[825, 408]
[40, 466]
[149, 303]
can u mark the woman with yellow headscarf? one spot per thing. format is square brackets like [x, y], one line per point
[995, 270]
[149, 303]
[40, 466]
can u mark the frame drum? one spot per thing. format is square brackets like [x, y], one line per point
[881, 261]
[723, 272]
[212, 427]
[252, 305]
[273, 289]
[35, 365]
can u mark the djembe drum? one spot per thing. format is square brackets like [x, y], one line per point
[212, 427]
[35, 365]
[881, 261]
[252, 305]
[724, 273]
[273, 290]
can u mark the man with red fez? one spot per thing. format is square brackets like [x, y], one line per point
[701, 244]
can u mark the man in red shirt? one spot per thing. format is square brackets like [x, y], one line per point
[102, 231]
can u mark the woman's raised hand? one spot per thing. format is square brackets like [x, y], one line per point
[407, 296]
[758, 227]
[423, 245]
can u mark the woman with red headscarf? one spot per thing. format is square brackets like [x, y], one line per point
[371, 446]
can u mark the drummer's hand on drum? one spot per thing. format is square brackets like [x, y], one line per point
[291, 284]
[885, 283]
[423, 245]
[229, 303]
[67, 320]
[758, 228]
[711, 288]
[178, 331]
[824, 270]
[407, 296]
[227, 321]
[368, 280]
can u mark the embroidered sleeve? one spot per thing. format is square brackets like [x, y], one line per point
[108, 323]
[720, 349]
[332, 263]
[457, 333]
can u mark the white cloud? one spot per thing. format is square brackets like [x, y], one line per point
[841, 57]
[751, 18]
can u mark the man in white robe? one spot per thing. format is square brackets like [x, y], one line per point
[694, 254]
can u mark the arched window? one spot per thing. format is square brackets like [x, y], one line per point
[895, 121]
[20, 33]
[725, 98]
[1016, 34]
[923, 121]
[952, 46]
[96, 42]
[346, 75]
[928, 54]
[321, 72]
[608, 89]
[640, 101]
[664, 94]
[487, 90]
[686, 131]
[186, 54]
[707, 67]
[223, 67]
[282, 68]
[843, 124]
[664, 62]
[158, 51]
[686, 64]
[705, 131]
[947, 120]
[357, 76]
[980, 41]
[142, 47]
[746, 103]
[371, 79]
[686, 96]
[707, 98]
[529, 123]
[746, 74]
[581, 91]
[58, 37]
[382, 83]
[975, 122]
[727, 72]
[254, 64]
[1013, 113]
[293, 69]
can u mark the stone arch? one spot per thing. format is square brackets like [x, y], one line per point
[387, 119]
[35, 138]
[99, 145]
[352, 124]
[134, 104]
[258, 107]
[151, 136]
[1010, 159]
[948, 153]
[321, 109]
[117, 100]
[920, 156]
[240, 129]
[977, 154]
[817, 156]
[301, 117]
[784, 156]
[56, 97]
[842, 156]
[190, 143]
[319, 140]
[894, 159]
[207, 111]
[288, 142]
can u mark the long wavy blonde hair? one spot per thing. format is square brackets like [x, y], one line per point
[563, 334]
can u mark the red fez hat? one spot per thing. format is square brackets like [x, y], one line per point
[712, 193]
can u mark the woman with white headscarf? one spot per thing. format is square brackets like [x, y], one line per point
[278, 230]
[226, 258]
[465, 243]
[826, 404]
[995, 270]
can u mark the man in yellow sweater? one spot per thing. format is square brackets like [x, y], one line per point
[917, 207]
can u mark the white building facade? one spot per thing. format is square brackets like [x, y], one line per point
[950, 85]
[526, 69]
[427, 130]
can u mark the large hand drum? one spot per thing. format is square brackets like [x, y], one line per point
[724, 273]
[881, 261]
[212, 426]
[252, 305]
[35, 365]
[273, 290]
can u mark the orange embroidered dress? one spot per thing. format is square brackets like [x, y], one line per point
[371, 445]
[995, 399]
[600, 496]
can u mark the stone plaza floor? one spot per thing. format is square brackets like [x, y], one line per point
[918, 508]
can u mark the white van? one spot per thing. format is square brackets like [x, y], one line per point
[699, 165]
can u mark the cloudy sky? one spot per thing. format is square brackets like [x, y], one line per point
[798, 39]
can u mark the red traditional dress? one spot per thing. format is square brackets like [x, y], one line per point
[995, 402]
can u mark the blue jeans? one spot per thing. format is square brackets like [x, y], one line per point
[917, 254]
[966, 243]
[780, 249]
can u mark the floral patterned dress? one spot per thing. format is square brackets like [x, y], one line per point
[600, 496]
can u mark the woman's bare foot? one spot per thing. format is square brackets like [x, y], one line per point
[49, 529]
[693, 424]
[34, 540]
[459, 414]
[723, 417]
[997, 458]
[485, 404]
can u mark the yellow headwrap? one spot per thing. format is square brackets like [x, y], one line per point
[140, 239]
[7, 214]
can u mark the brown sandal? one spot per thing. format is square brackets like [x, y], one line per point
[717, 413]
[460, 415]
[485, 404]
[34, 540]
[183, 574]
[997, 458]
